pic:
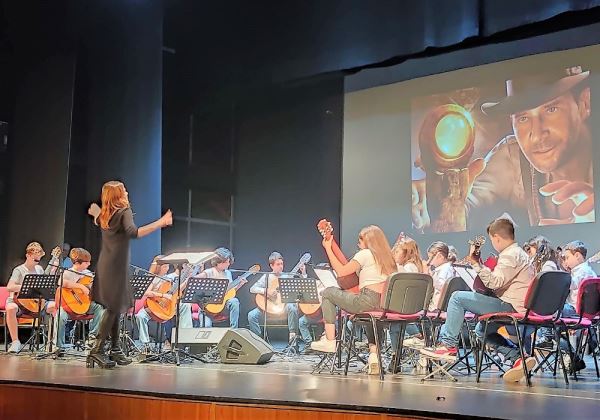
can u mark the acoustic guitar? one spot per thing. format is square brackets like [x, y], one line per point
[33, 306]
[311, 308]
[274, 305]
[234, 286]
[162, 309]
[349, 282]
[74, 301]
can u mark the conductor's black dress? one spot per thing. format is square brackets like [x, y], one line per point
[111, 285]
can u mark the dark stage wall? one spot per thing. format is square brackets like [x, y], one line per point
[39, 156]
[288, 171]
[118, 118]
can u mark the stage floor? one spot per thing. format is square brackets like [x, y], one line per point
[289, 382]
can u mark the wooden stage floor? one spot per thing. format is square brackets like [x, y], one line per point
[289, 383]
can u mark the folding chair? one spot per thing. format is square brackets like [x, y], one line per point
[25, 320]
[588, 308]
[544, 301]
[438, 317]
[405, 301]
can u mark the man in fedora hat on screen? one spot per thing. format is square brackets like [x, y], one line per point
[542, 173]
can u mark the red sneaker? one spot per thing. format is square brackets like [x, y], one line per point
[441, 352]
[515, 373]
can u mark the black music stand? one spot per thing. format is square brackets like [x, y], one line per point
[37, 286]
[178, 260]
[202, 291]
[297, 290]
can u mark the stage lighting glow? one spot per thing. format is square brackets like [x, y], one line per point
[452, 134]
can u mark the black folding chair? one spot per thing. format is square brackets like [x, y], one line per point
[544, 301]
[405, 301]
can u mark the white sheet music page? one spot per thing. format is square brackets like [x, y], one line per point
[467, 274]
[192, 257]
[327, 277]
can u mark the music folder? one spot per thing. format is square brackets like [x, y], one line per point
[179, 258]
[327, 277]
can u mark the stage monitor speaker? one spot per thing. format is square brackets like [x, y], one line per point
[242, 346]
[199, 339]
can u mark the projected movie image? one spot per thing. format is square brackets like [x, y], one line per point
[523, 148]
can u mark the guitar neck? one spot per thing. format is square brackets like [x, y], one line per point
[240, 281]
[335, 248]
[296, 268]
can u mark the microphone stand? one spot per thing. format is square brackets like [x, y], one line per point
[53, 327]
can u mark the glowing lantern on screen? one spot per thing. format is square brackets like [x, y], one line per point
[447, 137]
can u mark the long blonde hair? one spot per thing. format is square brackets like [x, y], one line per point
[114, 198]
[375, 240]
[406, 251]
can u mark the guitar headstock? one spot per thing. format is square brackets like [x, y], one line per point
[305, 258]
[253, 269]
[594, 258]
[325, 228]
[56, 251]
[477, 242]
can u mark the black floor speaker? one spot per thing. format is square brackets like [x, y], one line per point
[242, 346]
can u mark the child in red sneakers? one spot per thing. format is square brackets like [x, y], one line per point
[509, 280]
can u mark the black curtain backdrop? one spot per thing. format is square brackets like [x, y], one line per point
[39, 156]
[288, 173]
[118, 115]
[248, 43]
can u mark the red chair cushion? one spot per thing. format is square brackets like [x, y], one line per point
[390, 316]
[575, 321]
[533, 318]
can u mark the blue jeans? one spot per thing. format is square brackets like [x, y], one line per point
[411, 329]
[232, 306]
[476, 303]
[95, 309]
[256, 320]
[185, 321]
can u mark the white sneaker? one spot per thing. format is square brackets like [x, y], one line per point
[373, 364]
[323, 345]
[15, 346]
[414, 343]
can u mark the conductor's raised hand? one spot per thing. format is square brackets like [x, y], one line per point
[94, 210]
[167, 219]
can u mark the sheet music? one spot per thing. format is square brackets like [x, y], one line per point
[468, 275]
[327, 278]
[191, 257]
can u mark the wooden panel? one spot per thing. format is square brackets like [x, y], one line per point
[18, 401]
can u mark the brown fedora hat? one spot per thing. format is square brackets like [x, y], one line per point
[532, 91]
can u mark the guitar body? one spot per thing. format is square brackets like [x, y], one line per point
[217, 308]
[214, 308]
[271, 306]
[349, 282]
[34, 306]
[74, 301]
[162, 309]
[311, 308]
[30, 306]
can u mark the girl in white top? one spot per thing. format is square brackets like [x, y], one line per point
[373, 264]
[543, 256]
[407, 255]
[440, 259]
[408, 258]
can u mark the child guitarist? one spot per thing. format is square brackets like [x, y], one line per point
[33, 254]
[143, 317]
[256, 316]
[81, 261]
[220, 270]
